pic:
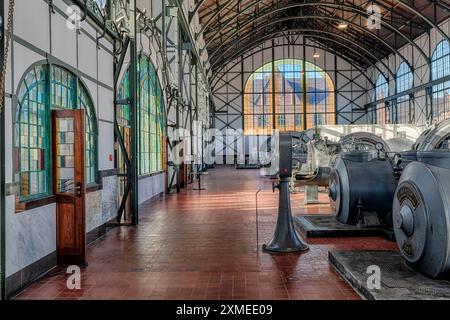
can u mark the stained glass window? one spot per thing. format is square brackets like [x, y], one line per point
[44, 88]
[90, 145]
[151, 117]
[440, 67]
[381, 92]
[144, 115]
[123, 108]
[275, 98]
[69, 93]
[32, 135]
[404, 81]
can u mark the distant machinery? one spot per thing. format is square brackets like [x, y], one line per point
[322, 154]
[363, 141]
[399, 144]
[314, 169]
[436, 137]
[362, 184]
[316, 149]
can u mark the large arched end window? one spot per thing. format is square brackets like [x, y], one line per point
[404, 81]
[288, 94]
[45, 88]
[440, 68]
[381, 92]
[151, 117]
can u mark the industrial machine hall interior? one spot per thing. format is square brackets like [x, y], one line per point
[225, 150]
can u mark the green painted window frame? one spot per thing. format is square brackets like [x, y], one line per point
[38, 87]
[58, 88]
[151, 116]
[123, 114]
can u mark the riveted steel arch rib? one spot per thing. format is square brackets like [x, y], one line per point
[289, 6]
[440, 4]
[215, 79]
[273, 34]
[217, 58]
[198, 5]
[238, 60]
[424, 18]
[395, 51]
[350, 8]
[362, 13]
[280, 32]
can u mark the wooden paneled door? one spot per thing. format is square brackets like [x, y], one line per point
[69, 185]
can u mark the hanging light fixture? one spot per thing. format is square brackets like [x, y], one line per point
[316, 55]
[342, 25]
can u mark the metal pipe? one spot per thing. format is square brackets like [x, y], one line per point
[256, 219]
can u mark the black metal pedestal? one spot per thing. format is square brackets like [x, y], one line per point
[285, 238]
[199, 178]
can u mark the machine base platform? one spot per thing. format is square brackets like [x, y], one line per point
[398, 280]
[327, 226]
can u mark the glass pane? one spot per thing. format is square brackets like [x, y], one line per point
[65, 163]
[150, 116]
[31, 135]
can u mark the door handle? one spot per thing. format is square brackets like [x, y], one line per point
[78, 189]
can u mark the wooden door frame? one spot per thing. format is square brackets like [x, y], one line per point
[79, 257]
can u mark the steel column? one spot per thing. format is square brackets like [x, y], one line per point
[2, 166]
[133, 174]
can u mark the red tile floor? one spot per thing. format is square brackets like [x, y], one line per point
[201, 245]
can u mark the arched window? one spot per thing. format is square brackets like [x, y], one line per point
[404, 77]
[404, 81]
[45, 88]
[151, 117]
[288, 94]
[31, 135]
[381, 92]
[440, 68]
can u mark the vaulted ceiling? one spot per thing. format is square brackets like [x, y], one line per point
[230, 27]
